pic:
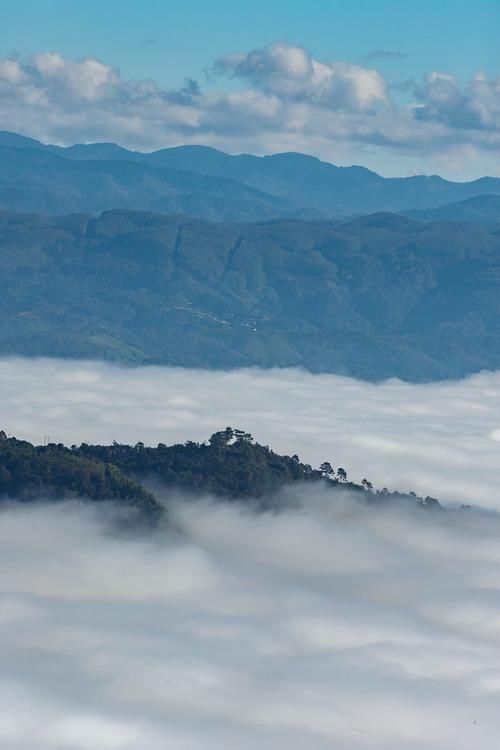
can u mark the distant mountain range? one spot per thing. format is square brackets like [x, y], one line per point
[373, 297]
[482, 209]
[209, 184]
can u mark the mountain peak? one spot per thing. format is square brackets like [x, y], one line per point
[15, 140]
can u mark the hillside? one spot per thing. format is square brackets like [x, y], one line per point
[482, 209]
[378, 297]
[30, 473]
[40, 181]
[209, 184]
[230, 465]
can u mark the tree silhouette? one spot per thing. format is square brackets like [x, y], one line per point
[327, 470]
[341, 474]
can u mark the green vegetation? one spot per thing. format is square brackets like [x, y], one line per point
[229, 465]
[375, 297]
[111, 348]
[30, 473]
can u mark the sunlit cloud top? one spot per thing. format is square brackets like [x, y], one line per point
[277, 98]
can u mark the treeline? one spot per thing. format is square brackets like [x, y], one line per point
[229, 465]
[29, 472]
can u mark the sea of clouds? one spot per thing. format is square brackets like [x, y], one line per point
[325, 624]
[441, 439]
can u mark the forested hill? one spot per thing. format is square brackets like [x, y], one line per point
[33, 473]
[374, 297]
[229, 465]
[210, 184]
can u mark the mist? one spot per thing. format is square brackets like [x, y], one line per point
[323, 625]
[440, 439]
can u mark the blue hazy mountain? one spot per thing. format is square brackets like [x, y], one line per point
[206, 183]
[481, 209]
[374, 297]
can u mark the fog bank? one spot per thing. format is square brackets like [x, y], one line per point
[324, 626]
[441, 439]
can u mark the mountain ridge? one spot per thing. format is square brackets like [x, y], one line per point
[481, 209]
[287, 183]
[376, 297]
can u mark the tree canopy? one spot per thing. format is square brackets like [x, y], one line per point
[229, 465]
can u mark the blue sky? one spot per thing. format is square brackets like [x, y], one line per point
[172, 39]
[434, 101]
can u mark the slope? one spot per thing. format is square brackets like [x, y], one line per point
[377, 297]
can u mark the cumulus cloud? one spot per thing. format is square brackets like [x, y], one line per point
[475, 106]
[324, 625]
[439, 439]
[290, 72]
[69, 96]
[283, 99]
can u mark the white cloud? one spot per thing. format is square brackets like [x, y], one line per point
[473, 107]
[86, 100]
[288, 71]
[326, 625]
[49, 79]
[88, 80]
[439, 439]
[11, 72]
[283, 99]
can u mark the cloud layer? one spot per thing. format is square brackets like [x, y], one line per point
[439, 439]
[323, 626]
[282, 99]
